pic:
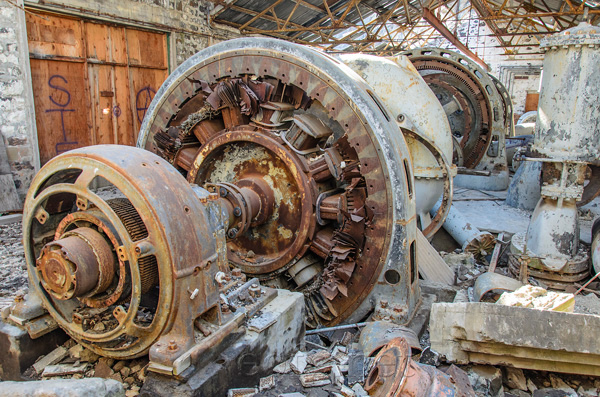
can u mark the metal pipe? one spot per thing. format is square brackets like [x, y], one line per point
[338, 328]
[465, 233]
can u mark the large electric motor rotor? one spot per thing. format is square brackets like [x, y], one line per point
[107, 232]
[315, 172]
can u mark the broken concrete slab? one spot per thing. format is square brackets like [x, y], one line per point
[19, 351]
[64, 388]
[53, 357]
[493, 334]
[64, 369]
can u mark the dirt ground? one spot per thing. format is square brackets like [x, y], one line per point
[13, 276]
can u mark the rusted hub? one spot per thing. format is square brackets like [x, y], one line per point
[80, 263]
[267, 175]
[389, 370]
[95, 219]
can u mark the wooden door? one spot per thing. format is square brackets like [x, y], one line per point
[92, 82]
[531, 101]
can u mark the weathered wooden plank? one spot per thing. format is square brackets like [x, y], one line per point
[144, 83]
[102, 94]
[431, 265]
[52, 35]
[105, 43]
[61, 106]
[146, 49]
[122, 112]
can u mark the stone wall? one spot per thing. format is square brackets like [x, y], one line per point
[17, 117]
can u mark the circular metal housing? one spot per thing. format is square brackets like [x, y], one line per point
[478, 113]
[109, 232]
[336, 168]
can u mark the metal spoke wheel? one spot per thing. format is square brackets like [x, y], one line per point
[316, 172]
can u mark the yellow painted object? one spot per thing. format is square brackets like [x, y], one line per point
[538, 298]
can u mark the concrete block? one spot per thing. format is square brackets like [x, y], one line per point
[488, 333]
[8, 219]
[19, 351]
[64, 388]
[244, 360]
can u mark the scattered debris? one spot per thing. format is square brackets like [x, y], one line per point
[314, 380]
[245, 392]
[356, 367]
[515, 378]
[12, 263]
[485, 379]
[266, 383]
[318, 358]
[298, 363]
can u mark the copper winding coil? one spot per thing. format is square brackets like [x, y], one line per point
[137, 231]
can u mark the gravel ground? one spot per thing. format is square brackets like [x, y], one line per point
[13, 276]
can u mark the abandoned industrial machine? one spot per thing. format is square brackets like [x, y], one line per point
[275, 168]
[567, 143]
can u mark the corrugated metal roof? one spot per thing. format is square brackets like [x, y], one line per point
[390, 26]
